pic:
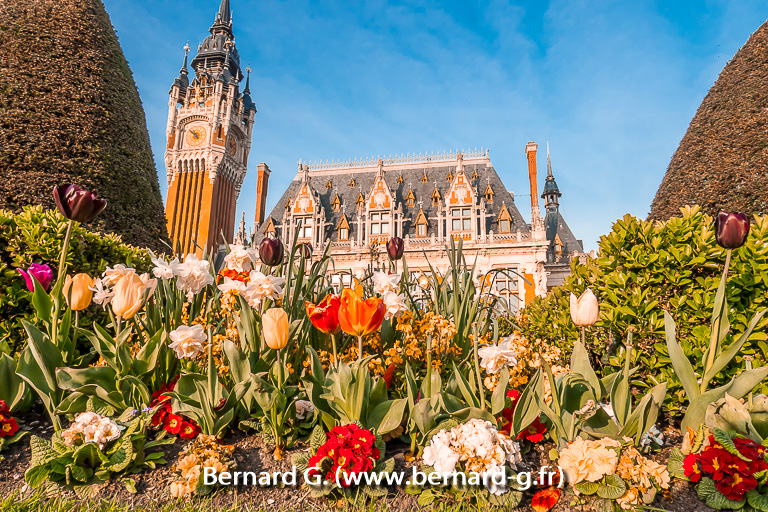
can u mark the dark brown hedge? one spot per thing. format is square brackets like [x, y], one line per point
[722, 161]
[70, 112]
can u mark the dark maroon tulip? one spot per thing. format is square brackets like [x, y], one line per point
[731, 229]
[41, 273]
[306, 249]
[271, 251]
[395, 248]
[77, 204]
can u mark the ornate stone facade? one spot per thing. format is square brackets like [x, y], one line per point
[209, 137]
[357, 206]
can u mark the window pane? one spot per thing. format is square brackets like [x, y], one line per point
[385, 216]
[456, 212]
[385, 228]
[466, 211]
[466, 224]
[421, 229]
[456, 224]
[374, 229]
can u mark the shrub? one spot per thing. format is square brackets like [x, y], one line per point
[644, 268]
[36, 236]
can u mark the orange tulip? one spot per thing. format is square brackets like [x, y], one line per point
[359, 317]
[325, 316]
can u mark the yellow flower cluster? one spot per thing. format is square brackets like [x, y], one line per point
[204, 452]
[413, 346]
[527, 355]
[641, 474]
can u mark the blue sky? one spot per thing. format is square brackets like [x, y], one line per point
[612, 85]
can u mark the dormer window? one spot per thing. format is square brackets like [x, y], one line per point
[410, 199]
[488, 194]
[435, 197]
[360, 201]
[474, 175]
[343, 228]
[449, 177]
[505, 220]
[424, 178]
[400, 180]
[422, 226]
[352, 183]
[461, 219]
[336, 204]
[328, 185]
[380, 223]
[288, 204]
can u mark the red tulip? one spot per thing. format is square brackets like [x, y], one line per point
[325, 316]
[306, 249]
[395, 248]
[77, 204]
[731, 229]
[545, 499]
[271, 251]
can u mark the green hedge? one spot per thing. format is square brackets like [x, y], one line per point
[35, 236]
[645, 267]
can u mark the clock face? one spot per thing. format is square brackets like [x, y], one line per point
[195, 136]
[232, 145]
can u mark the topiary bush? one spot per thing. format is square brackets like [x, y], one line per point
[646, 267]
[36, 236]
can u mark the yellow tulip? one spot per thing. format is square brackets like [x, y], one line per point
[584, 310]
[77, 291]
[128, 294]
[275, 327]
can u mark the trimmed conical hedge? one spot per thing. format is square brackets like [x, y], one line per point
[722, 161]
[70, 112]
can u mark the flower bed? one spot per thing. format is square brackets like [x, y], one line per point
[259, 377]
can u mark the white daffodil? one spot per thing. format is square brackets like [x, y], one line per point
[394, 304]
[383, 283]
[495, 357]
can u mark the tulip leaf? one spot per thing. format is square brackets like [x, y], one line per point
[387, 416]
[680, 362]
[733, 349]
[500, 393]
[738, 388]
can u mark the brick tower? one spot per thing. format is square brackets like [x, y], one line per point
[209, 132]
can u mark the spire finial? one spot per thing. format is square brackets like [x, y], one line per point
[186, 49]
[247, 89]
[549, 163]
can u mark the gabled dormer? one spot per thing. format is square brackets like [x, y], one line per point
[410, 199]
[342, 228]
[422, 224]
[380, 196]
[504, 220]
[269, 228]
[461, 192]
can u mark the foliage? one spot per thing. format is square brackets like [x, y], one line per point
[80, 466]
[745, 418]
[348, 394]
[644, 268]
[576, 405]
[35, 236]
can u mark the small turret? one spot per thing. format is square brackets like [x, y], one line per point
[551, 192]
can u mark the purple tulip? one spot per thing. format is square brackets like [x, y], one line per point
[395, 248]
[42, 273]
[77, 204]
[731, 229]
[306, 249]
[271, 251]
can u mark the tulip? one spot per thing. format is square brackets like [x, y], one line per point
[306, 249]
[359, 317]
[271, 251]
[77, 291]
[128, 296]
[77, 204]
[731, 229]
[41, 273]
[395, 248]
[584, 310]
[325, 316]
[275, 327]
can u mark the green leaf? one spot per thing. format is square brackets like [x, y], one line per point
[587, 488]
[757, 500]
[680, 362]
[317, 438]
[675, 464]
[499, 396]
[612, 488]
[36, 475]
[709, 494]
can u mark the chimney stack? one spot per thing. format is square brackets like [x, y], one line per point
[261, 193]
[530, 151]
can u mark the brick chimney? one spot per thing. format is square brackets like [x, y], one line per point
[262, 185]
[530, 151]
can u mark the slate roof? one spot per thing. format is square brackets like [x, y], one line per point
[437, 176]
[555, 225]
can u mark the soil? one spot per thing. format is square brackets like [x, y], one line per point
[251, 454]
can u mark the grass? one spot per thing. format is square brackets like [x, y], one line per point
[36, 502]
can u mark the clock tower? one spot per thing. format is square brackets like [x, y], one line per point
[209, 130]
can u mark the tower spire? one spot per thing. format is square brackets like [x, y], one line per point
[549, 163]
[247, 89]
[183, 69]
[224, 15]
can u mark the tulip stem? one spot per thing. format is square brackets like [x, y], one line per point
[480, 389]
[583, 336]
[333, 343]
[359, 348]
[63, 256]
